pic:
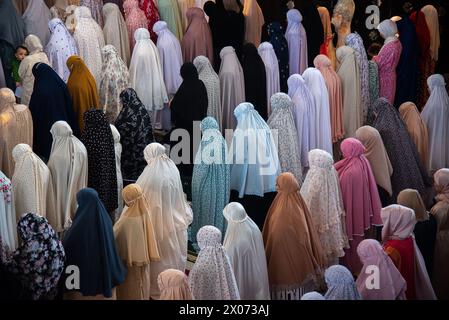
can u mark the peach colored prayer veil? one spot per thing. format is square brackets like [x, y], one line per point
[417, 129]
[333, 84]
[411, 198]
[293, 249]
[134, 234]
[173, 285]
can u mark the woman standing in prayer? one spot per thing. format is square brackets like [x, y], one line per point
[68, 168]
[146, 74]
[232, 86]
[425, 62]
[36, 18]
[99, 142]
[89, 244]
[95, 7]
[189, 105]
[135, 19]
[417, 130]
[169, 12]
[244, 245]
[210, 180]
[39, 261]
[30, 182]
[60, 47]
[255, 79]
[322, 195]
[135, 227]
[373, 74]
[35, 56]
[327, 48]
[334, 88]
[270, 61]
[407, 69]
[49, 103]
[360, 197]
[340, 284]
[8, 225]
[297, 42]
[134, 126]
[280, 46]
[282, 124]
[408, 172]
[12, 33]
[379, 161]
[151, 12]
[16, 126]
[431, 16]
[212, 276]
[305, 115]
[197, 40]
[253, 22]
[169, 211]
[436, 116]
[295, 257]
[174, 285]
[118, 155]
[354, 41]
[114, 79]
[388, 59]
[425, 228]
[82, 88]
[255, 163]
[90, 39]
[323, 134]
[440, 211]
[392, 285]
[312, 295]
[211, 81]
[171, 61]
[115, 31]
[350, 85]
[400, 245]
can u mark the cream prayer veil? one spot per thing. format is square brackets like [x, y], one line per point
[245, 248]
[68, 167]
[170, 213]
[30, 181]
[134, 233]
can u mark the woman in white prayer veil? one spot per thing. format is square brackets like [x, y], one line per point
[305, 114]
[436, 116]
[348, 71]
[60, 47]
[253, 22]
[8, 224]
[171, 61]
[118, 168]
[68, 167]
[36, 55]
[30, 181]
[317, 86]
[36, 18]
[297, 42]
[232, 86]
[322, 195]
[245, 248]
[90, 39]
[271, 63]
[146, 76]
[115, 31]
[169, 210]
[207, 74]
[212, 276]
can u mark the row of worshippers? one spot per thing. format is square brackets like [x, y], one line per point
[134, 261]
[335, 217]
